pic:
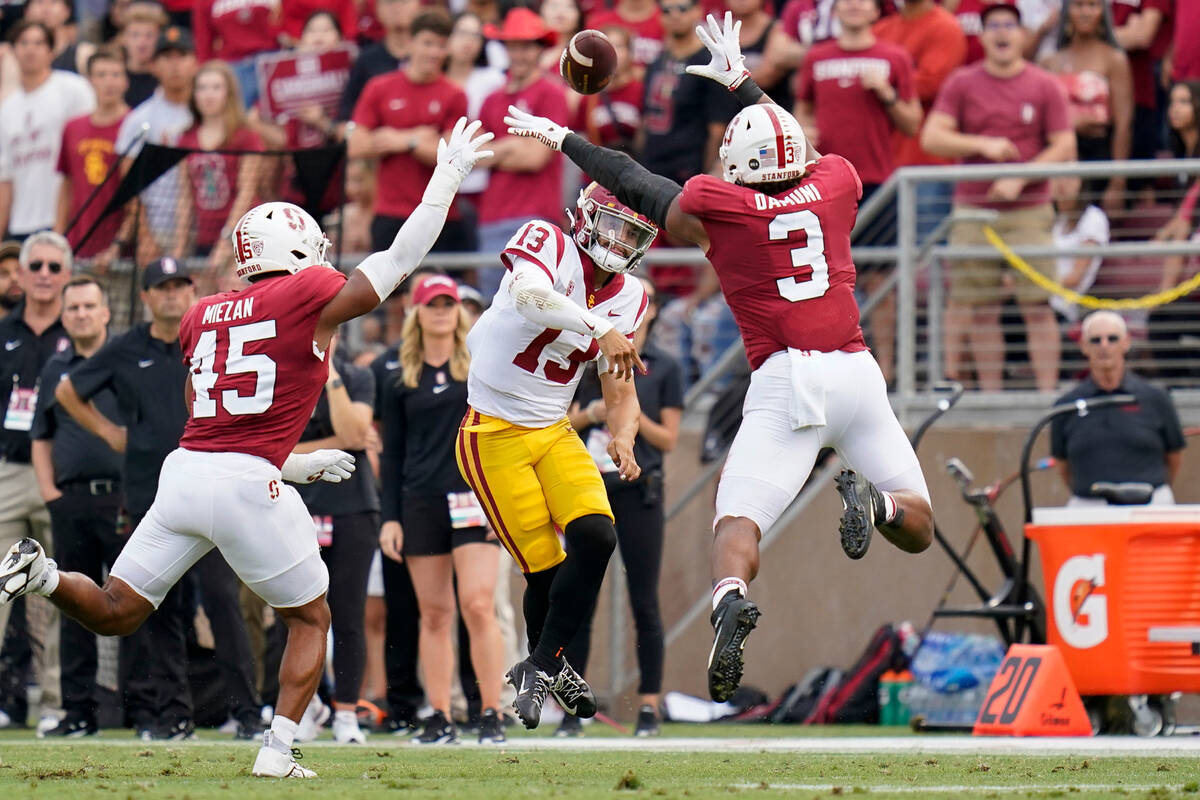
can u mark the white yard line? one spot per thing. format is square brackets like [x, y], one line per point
[932, 744]
[960, 790]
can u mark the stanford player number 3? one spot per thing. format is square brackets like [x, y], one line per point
[237, 362]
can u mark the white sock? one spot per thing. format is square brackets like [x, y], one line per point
[283, 732]
[49, 579]
[889, 507]
[726, 585]
[346, 716]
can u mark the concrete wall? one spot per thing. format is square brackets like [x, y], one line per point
[820, 608]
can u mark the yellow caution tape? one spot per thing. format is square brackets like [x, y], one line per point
[1087, 301]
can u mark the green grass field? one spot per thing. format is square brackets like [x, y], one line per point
[701, 766]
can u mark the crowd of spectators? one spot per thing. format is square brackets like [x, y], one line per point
[85, 86]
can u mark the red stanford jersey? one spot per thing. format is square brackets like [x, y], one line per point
[233, 29]
[256, 373]
[784, 261]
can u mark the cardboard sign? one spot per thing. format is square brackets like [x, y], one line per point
[290, 81]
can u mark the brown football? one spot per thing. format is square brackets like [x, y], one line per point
[588, 62]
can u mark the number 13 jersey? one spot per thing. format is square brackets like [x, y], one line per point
[526, 374]
[784, 261]
[256, 371]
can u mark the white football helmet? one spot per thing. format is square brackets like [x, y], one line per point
[612, 233]
[277, 237]
[763, 143]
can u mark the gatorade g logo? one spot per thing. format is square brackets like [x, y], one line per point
[1080, 609]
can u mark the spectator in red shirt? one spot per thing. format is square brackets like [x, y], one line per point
[526, 178]
[565, 19]
[398, 120]
[216, 189]
[1095, 74]
[1183, 117]
[388, 54]
[643, 17]
[1185, 46]
[297, 12]
[1002, 109]
[611, 118]
[1143, 30]
[86, 161]
[933, 38]
[853, 93]
[236, 31]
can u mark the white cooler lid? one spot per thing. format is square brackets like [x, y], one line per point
[1113, 515]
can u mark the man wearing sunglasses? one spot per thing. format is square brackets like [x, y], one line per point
[29, 336]
[1139, 442]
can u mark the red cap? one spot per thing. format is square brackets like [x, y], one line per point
[521, 25]
[996, 5]
[431, 286]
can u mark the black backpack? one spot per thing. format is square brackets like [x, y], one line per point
[856, 699]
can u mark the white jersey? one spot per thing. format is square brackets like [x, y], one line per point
[526, 374]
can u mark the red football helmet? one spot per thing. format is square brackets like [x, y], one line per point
[612, 233]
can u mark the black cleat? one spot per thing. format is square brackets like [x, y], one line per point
[532, 685]
[438, 730]
[864, 510]
[732, 620]
[573, 693]
[569, 728]
[647, 722]
[491, 728]
[72, 727]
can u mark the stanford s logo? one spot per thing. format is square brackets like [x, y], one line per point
[273, 490]
[1080, 609]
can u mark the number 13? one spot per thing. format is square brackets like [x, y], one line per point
[812, 255]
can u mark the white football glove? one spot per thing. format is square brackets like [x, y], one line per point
[460, 151]
[522, 123]
[727, 66]
[331, 466]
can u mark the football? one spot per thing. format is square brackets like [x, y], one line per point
[588, 62]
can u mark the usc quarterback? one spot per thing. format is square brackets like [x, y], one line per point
[563, 302]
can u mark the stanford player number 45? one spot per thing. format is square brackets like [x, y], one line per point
[811, 255]
[237, 362]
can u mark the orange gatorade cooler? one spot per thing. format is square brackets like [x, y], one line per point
[1123, 595]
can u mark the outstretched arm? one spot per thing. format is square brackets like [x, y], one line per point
[380, 273]
[634, 185]
[536, 300]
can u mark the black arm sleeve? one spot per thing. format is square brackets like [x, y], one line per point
[633, 184]
[748, 93]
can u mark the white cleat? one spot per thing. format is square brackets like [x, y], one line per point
[272, 762]
[348, 732]
[315, 716]
[25, 569]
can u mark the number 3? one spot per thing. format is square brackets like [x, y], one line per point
[812, 255]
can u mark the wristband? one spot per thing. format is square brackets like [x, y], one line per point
[748, 92]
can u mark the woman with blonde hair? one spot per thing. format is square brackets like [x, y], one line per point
[219, 182]
[431, 520]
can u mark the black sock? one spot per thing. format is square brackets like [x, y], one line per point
[590, 543]
[536, 603]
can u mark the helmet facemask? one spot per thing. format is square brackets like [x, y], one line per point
[615, 238]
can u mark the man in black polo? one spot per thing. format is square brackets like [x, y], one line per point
[80, 480]
[29, 335]
[1141, 442]
[144, 368]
